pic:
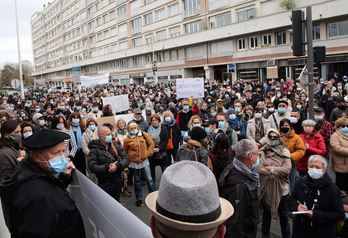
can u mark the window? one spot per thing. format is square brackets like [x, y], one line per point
[221, 20]
[338, 28]
[137, 41]
[280, 37]
[114, 48]
[159, 57]
[106, 34]
[174, 32]
[191, 7]
[174, 10]
[316, 32]
[122, 30]
[147, 1]
[138, 61]
[113, 31]
[245, 14]
[253, 42]
[99, 36]
[135, 7]
[193, 27]
[173, 55]
[101, 51]
[149, 39]
[91, 26]
[160, 15]
[90, 12]
[121, 12]
[161, 35]
[148, 18]
[343, 28]
[136, 25]
[222, 48]
[98, 20]
[124, 63]
[94, 53]
[124, 45]
[105, 18]
[266, 40]
[213, 4]
[241, 44]
[97, 6]
[104, 3]
[193, 53]
[107, 50]
[112, 15]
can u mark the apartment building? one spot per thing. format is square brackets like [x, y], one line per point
[186, 38]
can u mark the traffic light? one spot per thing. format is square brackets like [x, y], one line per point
[319, 54]
[298, 33]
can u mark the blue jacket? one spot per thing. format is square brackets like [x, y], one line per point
[238, 126]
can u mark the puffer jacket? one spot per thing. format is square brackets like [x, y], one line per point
[339, 145]
[316, 147]
[99, 161]
[138, 147]
[295, 145]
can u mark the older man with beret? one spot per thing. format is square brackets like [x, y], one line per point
[35, 192]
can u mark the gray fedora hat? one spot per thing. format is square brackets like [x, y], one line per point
[188, 198]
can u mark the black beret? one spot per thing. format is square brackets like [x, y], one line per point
[198, 133]
[45, 138]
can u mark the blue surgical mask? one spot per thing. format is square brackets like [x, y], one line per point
[22, 115]
[226, 95]
[232, 116]
[76, 121]
[237, 109]
[147, 100]
[281, 109]
[148, 108]
[108, 139]
[298, 106]
[79, 108]
[221, 124]
[59, 127]
[84, 109]
[344, 129]
[315, 173]
[168, 119]
[196, 125]
[134, 132]
[318, 118]
[186, 107]
[37, 109]
[57, 164]
[339, 87]
[256, 164]
[207, 129]
[258, 115]
[91, 127]
[161, 110]
[278, 95]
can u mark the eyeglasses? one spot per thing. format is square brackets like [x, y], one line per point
[344, 126]
[273, 137]
[281, 106]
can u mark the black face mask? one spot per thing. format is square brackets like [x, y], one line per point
[342, 107]
[285, 130]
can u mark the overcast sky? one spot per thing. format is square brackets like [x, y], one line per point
[8, 34]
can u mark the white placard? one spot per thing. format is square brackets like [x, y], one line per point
[186, 88]
[88, 81]
[118, 103]
[126, 117]
[102, 215]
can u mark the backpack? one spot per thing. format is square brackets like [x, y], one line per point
[192, 154]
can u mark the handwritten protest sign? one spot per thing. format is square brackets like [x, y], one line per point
[88, 81]
[186, 88]
[118, 103]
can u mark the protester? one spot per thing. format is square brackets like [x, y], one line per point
[174, 135]
[139, 119]
[258, 126]
[239, 183]
[187, 203]
[121, 131]
[139, 147]
[185, 115]
[235, 124]
[279, 114]
[107, 159]
[38, 121]
[319, 199]
[35, 192]
[324, 128]
[193, 122]
[27, 129]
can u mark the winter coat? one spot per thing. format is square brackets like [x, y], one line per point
[295, 145]
[99, 161]
[144, 125]
[87, 137]
[324, 199]
[173, 132]
[239, 191]
[8, 162]
[337, 114]
[231, 135]
[39, 204]
[251, 128]
[316, 147]
[163, 139]
[184, 117]
[97, 115]
[138, 147]
[237, 126]
[339, 156]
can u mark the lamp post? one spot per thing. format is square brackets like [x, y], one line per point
[19, 54]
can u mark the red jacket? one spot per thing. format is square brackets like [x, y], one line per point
[316, 147]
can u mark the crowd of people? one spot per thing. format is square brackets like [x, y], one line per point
[266, 155]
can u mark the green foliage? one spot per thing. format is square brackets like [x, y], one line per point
[288, 4]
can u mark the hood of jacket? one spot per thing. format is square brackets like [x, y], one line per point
[25, 171]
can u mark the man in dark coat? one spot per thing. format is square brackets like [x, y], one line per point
[35, 192]
[107, 159]
[239, 183]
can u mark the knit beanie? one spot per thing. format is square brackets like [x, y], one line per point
[198, 133]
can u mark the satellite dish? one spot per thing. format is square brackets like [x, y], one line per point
[15, 83]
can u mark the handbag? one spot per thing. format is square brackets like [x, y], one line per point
[170, 141]
[160, 156]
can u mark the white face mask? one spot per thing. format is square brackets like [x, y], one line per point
[42, 122]
[27, 134]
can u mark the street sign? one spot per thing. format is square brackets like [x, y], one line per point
[230, 68]
[154, 66]
[15, 83]
[76, 72]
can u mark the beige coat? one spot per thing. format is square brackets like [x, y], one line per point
[339, 145]
[97, 115]
[251, 127]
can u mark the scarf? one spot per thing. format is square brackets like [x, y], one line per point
[154, 134]
[343, 134]
[277, 146]
[170, 124]
[315, 185]
[122, 132]
[78, 134]
[251, 174]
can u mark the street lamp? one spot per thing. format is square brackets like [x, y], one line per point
[19, 53]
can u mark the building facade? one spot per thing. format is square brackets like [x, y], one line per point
[185, 38]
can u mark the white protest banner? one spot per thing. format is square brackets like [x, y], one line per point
[118, 103]
[102, 215]
[186, 88]
[126, 117]
[88, 81]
